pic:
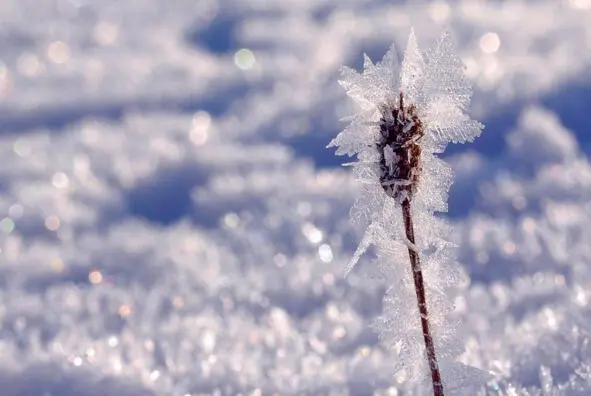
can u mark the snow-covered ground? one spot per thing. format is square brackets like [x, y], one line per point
[172, 224]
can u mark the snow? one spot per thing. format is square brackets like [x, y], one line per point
[171, 224]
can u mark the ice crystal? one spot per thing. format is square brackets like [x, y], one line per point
[408, 114]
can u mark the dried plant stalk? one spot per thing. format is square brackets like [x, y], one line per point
[408, 112]
[415, 263]
[400, 169]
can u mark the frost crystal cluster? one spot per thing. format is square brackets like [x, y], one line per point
[408, 113]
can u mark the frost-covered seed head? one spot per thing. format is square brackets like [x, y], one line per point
[399, 150]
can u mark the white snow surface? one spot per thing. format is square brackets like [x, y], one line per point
[171, 224]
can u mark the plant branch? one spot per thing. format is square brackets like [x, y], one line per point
[421, 300]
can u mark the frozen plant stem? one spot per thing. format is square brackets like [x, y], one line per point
[415, 263]
[399, 154]
[408, 113]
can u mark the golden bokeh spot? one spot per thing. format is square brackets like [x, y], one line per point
[124, 310]
[95, 277]
[57, 265]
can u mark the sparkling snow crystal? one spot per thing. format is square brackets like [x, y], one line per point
[408, 113]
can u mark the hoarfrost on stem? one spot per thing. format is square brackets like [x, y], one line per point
[408, 113]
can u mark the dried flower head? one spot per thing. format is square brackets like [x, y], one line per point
[408, 114]
[399, 150]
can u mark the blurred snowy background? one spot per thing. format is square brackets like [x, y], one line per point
[172, 224]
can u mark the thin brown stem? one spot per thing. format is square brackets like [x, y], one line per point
[421, 299]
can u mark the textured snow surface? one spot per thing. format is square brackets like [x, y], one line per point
[171, 223]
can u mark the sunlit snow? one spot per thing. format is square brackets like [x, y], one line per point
[172, 224]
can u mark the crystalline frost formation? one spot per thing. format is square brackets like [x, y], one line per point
[408, 113]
